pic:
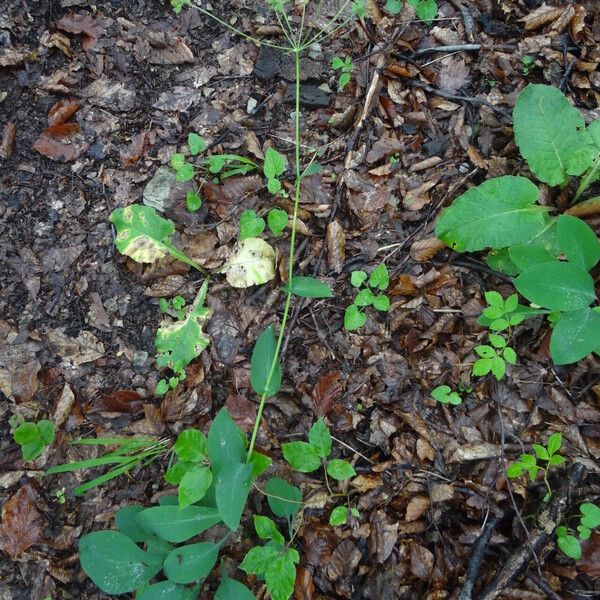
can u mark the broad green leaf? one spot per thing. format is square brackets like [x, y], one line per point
[31, 450]
[191, 445]
[277, 220]
[482, 367]
[551, 134]
[192, 201]
[225, 441]
[301, 456]
[498, 213]
[494, 298]
[177, 525]
[195, 144]
[177, 161]
[591, 515]
[357, 278]
[540, 452]
[364, 298]
[554, 442]
[575, 335]
[46, 431]
[354, 318]
[260, 365]
[570, 545]
[231, 589]
[280, 576]
[175, 474]
[381, 302]
[337, 63]
[515, 470]
[185, 173]
[260, 463]
[309, 287]
[274, 186]
[25, 433]
[379, 278]
[126, 523]
[394, 7]
[192, 562]
[556, 460]
[178, 343]
[510, 356]
[498, 368]
[274, 163]
[232, 488]
[267, 530]
[320, 438]
[340, 469]
[194, 485]
[166, 590]
[578, 241]
[557, 286]
[284, 499]
[251, 262]
[525, 256]
[113, 562]
[258, 559]
[338, 516]
[584, 532]
[426, 9]
[499, 260]
[251, 226]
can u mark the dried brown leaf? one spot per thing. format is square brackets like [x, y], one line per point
[423, 250]
[589, 563]
[578, 23]
[123, 401]
[62, 111]
[454, 75]
[383, 535]
[326, 391]
[20, 527]
[416, 507]
[242, 411]
[421, 561]
[336, 246]
[304, 588]
[85, 24]
[541, 16]
[8, 140]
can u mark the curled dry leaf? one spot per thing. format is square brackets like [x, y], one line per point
[304, 587]
[578, 23]
[20, 527]
[251, 262]
[326, 391]
[8, 140]
[423, 250]
[541, 16]
[416, 507]
[336, 246]
[85, 24]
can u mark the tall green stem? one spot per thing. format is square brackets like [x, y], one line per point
[288, 296]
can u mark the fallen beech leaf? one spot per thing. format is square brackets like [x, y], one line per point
[123, 401]
[326, 391]
[383, 535]
[82, 23]
[242, 411]
[20, 529]
[62, 111]
[304, 588]
[421, 561]
[542, 15]
[423, 250]
[344, 560]
[8, 139]
[54, 149]
[233, 189]
[469, 452]
[578, 23]
[416, 507]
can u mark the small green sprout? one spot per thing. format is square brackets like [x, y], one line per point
[250, 225]
[32, 437]
[369, 294]
[345, 67]
[445, 395]
[589, 518]
[527, 463]
[528, 64]
[339, 515]
[494, 358]
[273, 169]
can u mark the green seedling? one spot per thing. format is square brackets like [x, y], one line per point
[445, 395]
[394, 7]
[493, 358]
[567, 539]
[277, 221]
[32, 437]
[340, 515]
[307, 457]
[250, 225]
[273, 169]
[369, 294]
[528, 463]
[550, 257]
[528, 63]
[426, 10]
[129, 454]
[344, 66]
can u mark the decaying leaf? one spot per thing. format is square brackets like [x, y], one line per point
[178, 343]
[251, 262]
[20, 527]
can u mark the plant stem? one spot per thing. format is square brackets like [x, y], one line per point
[185, 259]
[288, 297]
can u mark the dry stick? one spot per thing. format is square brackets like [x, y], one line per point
[555, 512]
[543, 586]
[476, 559]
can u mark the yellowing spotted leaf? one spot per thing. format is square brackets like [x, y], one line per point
[142, 234]
[251, 262]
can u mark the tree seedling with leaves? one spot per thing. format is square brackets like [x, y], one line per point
[549, 257]
[32, 437]
[369, 294]
[567, 539]
[445, 395]
[426, 10]
[493, 357]
[528, 463]
[344, 66]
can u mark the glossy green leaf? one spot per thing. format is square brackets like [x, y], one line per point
[166, 590]
[231, 589]
[499, 260]
[354, 318]
[338, 516]
[25, 433]
[192, 201]
[551, 134]
[554, 442]
[113, 562]
[557, 286]
[126, 523]
[280, 576]
[267, 530]
[570, 545]
[185, 173]
[191, 563]
[591, 515]
[194, 485]
[525, 256]
[225, 441]
[260, 365]
[426, 9]
[320, 438]
[364, 298]
[357, 278]
[47, 431]
[301, 456]
[575, 335]
[340, 469]
[381, 302]
[232, 487]
[498, 213]
[284, 499]
[260, 463]
[191, 445]
[258, 559]
[177, 525]
[578, 241]
[309, 287]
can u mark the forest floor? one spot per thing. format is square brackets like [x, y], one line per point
[77, 320]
